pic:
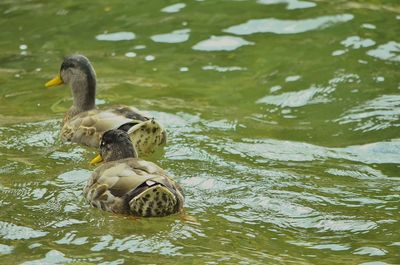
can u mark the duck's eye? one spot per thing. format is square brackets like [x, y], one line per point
[66, 65]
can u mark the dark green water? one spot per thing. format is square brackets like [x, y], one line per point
[283, 130]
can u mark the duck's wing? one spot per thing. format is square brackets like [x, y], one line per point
[110, 183]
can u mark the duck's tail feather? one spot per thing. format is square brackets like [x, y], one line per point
[147, 136]
[153, 201]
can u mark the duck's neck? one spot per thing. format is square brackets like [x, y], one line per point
[123, 151]
[84, 94]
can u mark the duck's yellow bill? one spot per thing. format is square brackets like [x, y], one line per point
[54, 82]
[96, 160]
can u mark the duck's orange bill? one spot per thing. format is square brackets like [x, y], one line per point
[96, 160]
[54, 82]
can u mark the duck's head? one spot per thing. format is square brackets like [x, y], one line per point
[73, 68]
[77, 71]
[115, 145]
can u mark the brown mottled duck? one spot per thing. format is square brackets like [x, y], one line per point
[85, 124]
[129, 185]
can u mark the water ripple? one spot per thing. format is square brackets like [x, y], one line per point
[174, 8]
[356, 42]
[116, 36]
[176, 36]
[223, 69]
[291, 4]
[15, 232]
[361, 172]
[299, 98]
[279, 26]
[331, 246]
[269, 149]
[27, 135]
[377, 114]
[137, 243]
[4, 249]
[389, 52]
[51, 257]
[370, 251]
[341, 225]
[221, 43]
[71, 239]
[312, 95]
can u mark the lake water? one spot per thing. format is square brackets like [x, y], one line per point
[283, 119]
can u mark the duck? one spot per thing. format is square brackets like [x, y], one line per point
[84, 123]
[126, 184]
